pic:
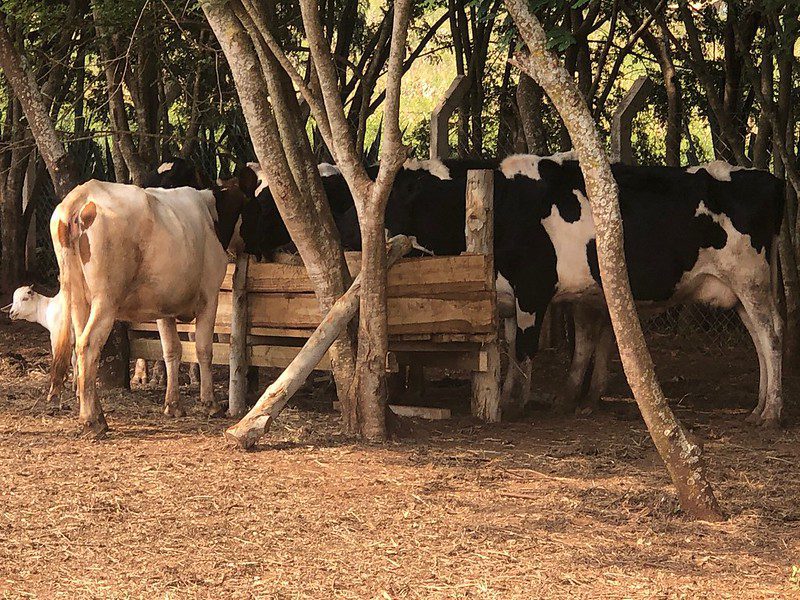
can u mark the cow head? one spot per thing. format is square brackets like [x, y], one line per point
[177, 172]
[230, 202]
[24, 304]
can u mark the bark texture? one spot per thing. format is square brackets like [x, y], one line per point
[307, 216]
[682, 456]
[62, 168]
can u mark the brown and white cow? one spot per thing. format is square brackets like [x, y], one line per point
[132, 254]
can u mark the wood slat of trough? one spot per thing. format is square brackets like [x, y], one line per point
[258, 356]
[470, 314]
[428, 275]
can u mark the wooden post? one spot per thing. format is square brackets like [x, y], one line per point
[237, 389]
[440, 117]
[632, 103]
[256, 422]
[480, 240]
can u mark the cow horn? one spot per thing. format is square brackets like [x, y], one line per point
[6, 308]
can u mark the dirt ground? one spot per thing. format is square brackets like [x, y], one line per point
[542, 508]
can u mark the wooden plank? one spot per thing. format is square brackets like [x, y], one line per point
[475, 361]
[474, 314]
[258, 356]
[431, 275]
[281, 356]
[151, 350]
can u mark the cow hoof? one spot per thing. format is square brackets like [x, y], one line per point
[174, 410]
[93, 430]
[586, 410]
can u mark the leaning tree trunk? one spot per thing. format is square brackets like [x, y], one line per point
[681, 456]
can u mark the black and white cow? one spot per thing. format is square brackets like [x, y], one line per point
[704, 234]
[699, 235]
[419, 181]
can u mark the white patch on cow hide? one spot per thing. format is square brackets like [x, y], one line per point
[211, 202]
[737, 262]
[718, 169]
[164, 167]
[433, 166]
[328, 170]
[261, 175]
[569, 241]
[503, 285]
[528, 164]
[525, 319]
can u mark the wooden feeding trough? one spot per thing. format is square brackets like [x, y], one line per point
[442, 312]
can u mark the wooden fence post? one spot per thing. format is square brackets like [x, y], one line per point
[632, 103]
[440, 117]
[237, 389]
[480, 240]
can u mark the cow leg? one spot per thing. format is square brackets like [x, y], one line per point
[158, 373]
[766, 323]
[586, 320]
[204, 338]
[194, 368]
[171, 349]
[88, 347]
[755, 416]
[516, 386]
[140, 372]
[604, 346]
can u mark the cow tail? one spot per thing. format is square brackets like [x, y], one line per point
[65, 231]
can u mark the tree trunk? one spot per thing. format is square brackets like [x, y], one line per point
[62, 168]
[122, 138]
[369, 385]
[681, 456]
[531, 107]
[310, 224]
[370, 200]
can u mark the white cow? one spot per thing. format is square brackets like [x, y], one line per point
[132, 254]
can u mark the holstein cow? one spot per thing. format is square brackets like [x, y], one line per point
[132, 254]
[700, 235]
